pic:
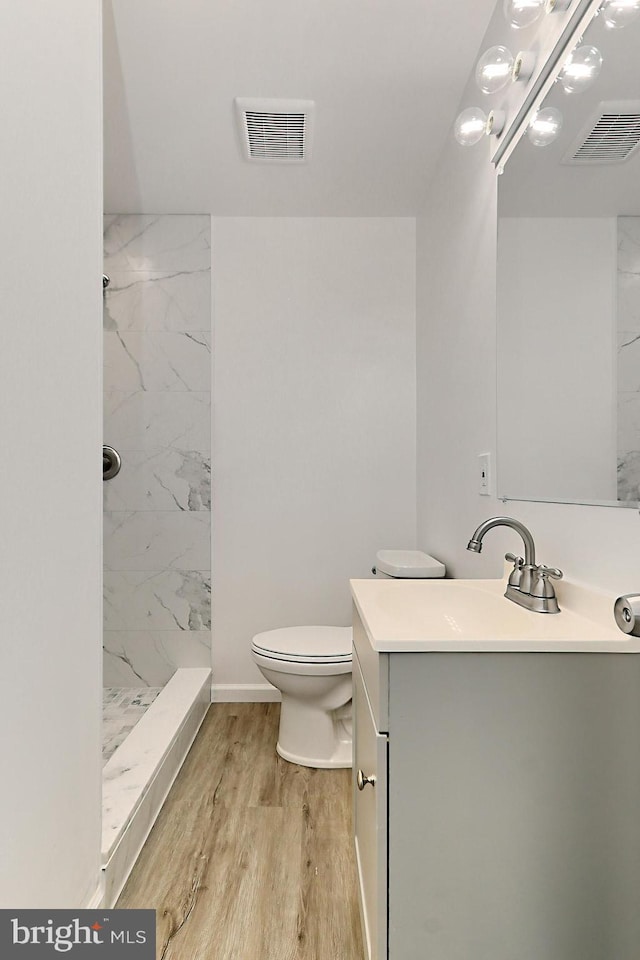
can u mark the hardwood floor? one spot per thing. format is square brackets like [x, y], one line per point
[251, 857]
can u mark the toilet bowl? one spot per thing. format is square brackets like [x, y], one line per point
[311, 667]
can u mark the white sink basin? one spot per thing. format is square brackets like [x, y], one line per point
[474, 615]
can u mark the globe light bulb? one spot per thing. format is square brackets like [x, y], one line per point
[545, 127]
[470, 126]
[494, 69]
[581, 69]
[618, 13]
[522, 13]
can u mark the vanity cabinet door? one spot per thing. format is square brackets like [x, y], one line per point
[370, 820]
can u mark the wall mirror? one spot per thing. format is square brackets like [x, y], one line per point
[569, 292]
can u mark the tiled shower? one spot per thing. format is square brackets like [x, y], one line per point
[157, 414]
[157, 517]
[122, 707]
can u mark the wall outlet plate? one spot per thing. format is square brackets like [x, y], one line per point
[484, 474]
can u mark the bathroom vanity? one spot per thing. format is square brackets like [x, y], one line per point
[496, 775]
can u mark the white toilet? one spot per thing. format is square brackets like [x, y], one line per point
[311, 667]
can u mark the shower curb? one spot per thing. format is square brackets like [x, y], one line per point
[139, 775]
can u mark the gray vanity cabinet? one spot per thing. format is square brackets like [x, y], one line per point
[504, 817]
[370, 819]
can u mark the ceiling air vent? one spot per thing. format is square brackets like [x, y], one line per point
[611, 135]
[276, 131]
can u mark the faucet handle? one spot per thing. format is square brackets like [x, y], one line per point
[516, 574]
[542, 587]
[552, 572]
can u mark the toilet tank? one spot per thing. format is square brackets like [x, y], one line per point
[407, 564]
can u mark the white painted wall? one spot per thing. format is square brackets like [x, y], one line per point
[50, 424]
[314, 421]
[456, 322]
[557, 345]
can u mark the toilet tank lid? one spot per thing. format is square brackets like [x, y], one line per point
[409, 564]
[314, 642]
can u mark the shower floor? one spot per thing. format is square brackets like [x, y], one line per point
[122, 708]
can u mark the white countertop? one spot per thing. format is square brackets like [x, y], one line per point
[413, 616]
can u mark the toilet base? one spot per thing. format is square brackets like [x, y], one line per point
[342, 757]
[314, 737]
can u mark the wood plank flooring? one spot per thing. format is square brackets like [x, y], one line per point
[251, 857]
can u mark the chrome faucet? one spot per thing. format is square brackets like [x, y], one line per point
[529, 583]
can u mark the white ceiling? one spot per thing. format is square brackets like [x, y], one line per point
[386, 76]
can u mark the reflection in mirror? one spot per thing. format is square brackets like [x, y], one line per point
[569, 294]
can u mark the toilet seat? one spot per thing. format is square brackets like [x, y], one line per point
[321, 645]
[301, 667]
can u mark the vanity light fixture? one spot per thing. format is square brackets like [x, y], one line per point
[581, 69]
[497, 67]
[473, 124]
[523, 66]
[524, 13]
[545, 127]
[618, 13]
[494, 69]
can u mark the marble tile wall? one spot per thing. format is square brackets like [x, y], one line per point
[629, 358]
[157, 402]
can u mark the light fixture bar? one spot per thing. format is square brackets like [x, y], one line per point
[578, 22]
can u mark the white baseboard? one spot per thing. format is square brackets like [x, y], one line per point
[244, 693]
